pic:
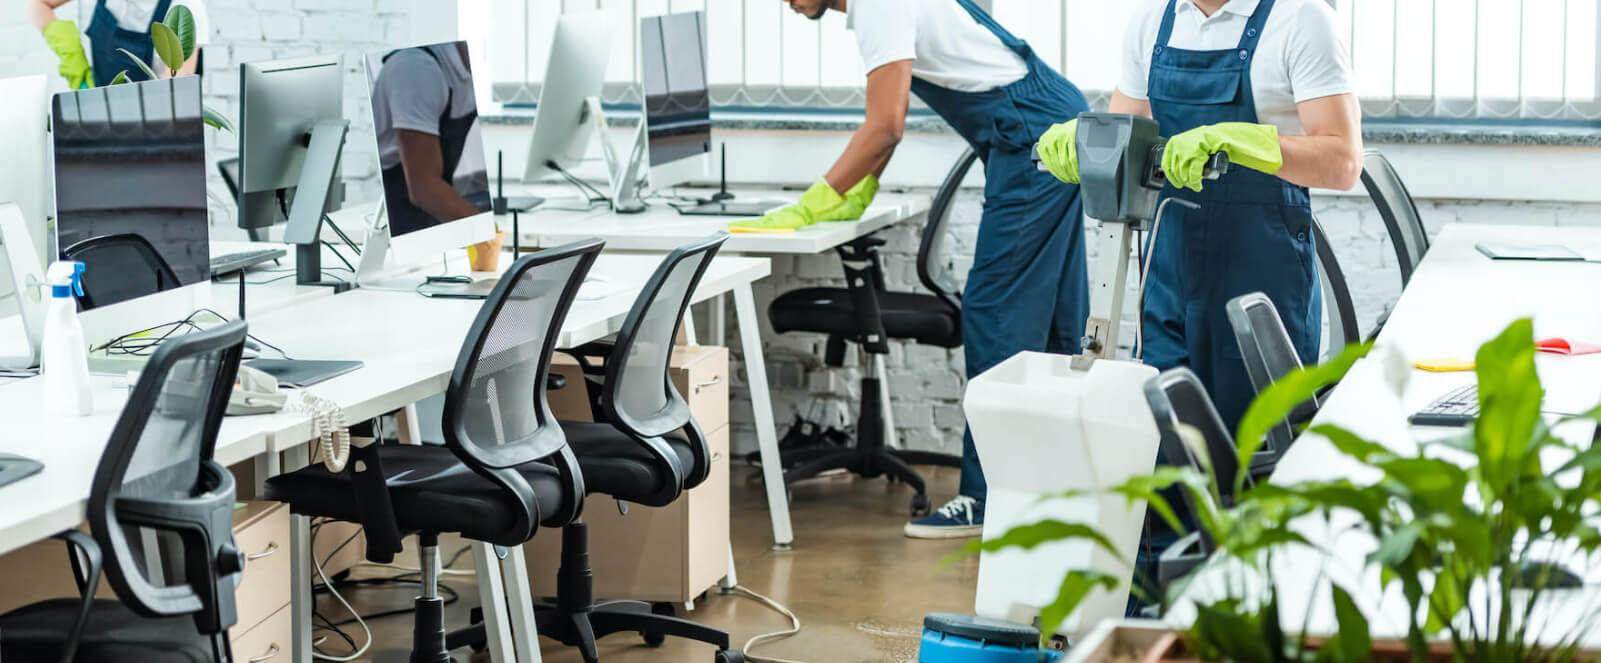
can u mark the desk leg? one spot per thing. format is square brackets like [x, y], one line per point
[410, 428]
[492, 598]
[520, 601]
[731, 580]
[761, 401]
[300, 598]
[719, 317]
[891, 439]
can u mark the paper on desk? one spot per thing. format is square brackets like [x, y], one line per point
[1564, 346]
[1570, 383]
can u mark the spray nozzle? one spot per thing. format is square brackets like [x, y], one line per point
[66, 278]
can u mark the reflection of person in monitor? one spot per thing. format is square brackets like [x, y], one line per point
[425, 117]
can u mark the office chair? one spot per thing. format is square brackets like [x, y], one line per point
[157, 496]
[1269, 355]
[867, 313]
[1400, 214]
[1340, 308]
[644, 448]
[120, 267]
[505, 469]
[1177, 398]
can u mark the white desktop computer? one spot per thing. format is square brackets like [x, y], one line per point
[24, 208]
[130, 202]
[424, 111]
[674, 141]
[569, 114]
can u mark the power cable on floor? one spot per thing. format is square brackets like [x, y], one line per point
[775, 606]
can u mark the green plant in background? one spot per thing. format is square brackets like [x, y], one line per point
[174, 41]
[1481, 515]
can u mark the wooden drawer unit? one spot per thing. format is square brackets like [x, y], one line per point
[699, 372]
[268, 642]
[261, 530]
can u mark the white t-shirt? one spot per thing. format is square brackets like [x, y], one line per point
[1299, 57]
[136, 15]
[410, 93]
[946, 45]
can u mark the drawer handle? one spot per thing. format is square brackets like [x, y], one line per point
[271, 652]
[717, 456]
[272, 547]
[709, 383]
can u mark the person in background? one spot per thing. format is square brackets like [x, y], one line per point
[424, 112]
[115, 25]
[1028, 287]
[1269, 83]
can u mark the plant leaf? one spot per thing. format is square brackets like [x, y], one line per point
[182, 23]
[1509, 405]
[151, 73]
[1397, 546]
[1278, 399]
[1355, 642]
[1349, 444]
[1075, 586]
[1033, 535]
[120, 78]
[167, 46]
[1233, 632]
[216, 120]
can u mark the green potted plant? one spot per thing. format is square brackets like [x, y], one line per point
[174, 40]
[1456, 522]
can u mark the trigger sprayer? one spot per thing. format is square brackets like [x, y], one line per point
[64, 355]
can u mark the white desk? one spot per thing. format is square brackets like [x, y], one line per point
[1457, 300]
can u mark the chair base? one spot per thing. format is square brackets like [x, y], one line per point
[869, 459]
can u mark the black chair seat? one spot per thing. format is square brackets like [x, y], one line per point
[926, 319]
[113, 634]
[431, 491]
[618, 466]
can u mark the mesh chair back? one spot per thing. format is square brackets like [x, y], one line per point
[933, 256]
[496, 416]
[1340, 308]
[1400, 214]
[160, 508]
[639, 397]
[119, 268]
[1177, 397]
[1269, 356]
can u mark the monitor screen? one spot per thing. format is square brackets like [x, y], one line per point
[426, 118]
[678, 106]
[130, 174]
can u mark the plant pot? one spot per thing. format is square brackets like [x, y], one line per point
[485, 256]
[1150, 641]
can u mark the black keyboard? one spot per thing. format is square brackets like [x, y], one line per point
[1457, 408]
[229, 263]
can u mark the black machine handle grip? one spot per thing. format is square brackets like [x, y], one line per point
[1216, 167]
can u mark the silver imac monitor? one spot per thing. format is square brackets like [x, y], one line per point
[575, 73]
[677, 108]
[130, 201]
[24, 205]
[430, 150]
[280, 101]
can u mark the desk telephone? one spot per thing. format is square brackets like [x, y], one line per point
[257, 392]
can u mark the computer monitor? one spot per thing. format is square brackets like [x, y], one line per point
[130, 201]
[678, 108]
[424, 109]
[280, 101]
[575, 73]
[24, 207]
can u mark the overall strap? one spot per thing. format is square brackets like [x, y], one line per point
[1253, 28]
[1167, 24]
[160, 13]
[1018, 46]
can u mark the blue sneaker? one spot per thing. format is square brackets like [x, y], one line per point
[960, 518]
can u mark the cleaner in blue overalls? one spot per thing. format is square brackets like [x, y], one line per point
[1027, 289]
[1268, 82]
[114, 25]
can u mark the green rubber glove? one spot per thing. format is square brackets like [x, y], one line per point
[63, 38]
[856, 201]
[819, 201]
[1058, 152]
[1255, 146]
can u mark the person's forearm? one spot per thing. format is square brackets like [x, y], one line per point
[440, 200]
[40, 12]
[1323, 162]
[868, 153]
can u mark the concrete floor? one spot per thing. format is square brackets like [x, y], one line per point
[858, 585]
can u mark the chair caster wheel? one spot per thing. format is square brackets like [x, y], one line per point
[729, 656]
[653, 639]
[919, 505]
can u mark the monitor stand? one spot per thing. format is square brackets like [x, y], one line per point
[626, 179]
[27, 282]
[324, 145]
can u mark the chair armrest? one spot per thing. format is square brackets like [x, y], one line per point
[373, 504]
[864, 280]
[82, 550]
[1180, 559]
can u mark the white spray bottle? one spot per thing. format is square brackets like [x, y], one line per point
[64, 355]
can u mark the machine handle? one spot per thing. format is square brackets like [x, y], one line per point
[1216, 167]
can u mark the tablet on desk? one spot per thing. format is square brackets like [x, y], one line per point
[1548, 252]
[303, 373]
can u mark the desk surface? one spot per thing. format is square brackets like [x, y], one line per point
[1457, 300]
[409, 344]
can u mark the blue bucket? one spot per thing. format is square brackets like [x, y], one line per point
[949, 638]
